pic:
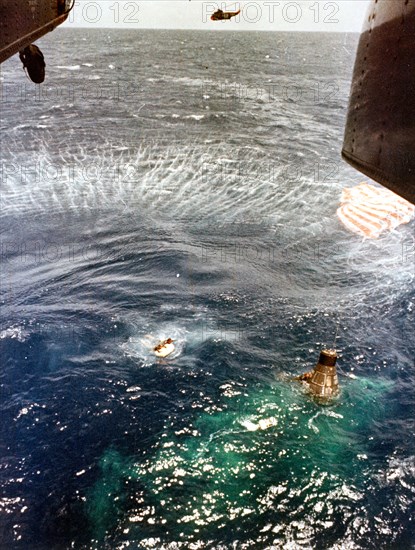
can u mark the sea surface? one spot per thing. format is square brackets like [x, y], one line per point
[185, 184]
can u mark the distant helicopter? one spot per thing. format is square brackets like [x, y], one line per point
[221, 15]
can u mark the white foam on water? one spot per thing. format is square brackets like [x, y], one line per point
[189, 332]
[14, 333]
[69, 67]
[141, 345]
[195, 117]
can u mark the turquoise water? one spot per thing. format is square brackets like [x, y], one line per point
[260, 467]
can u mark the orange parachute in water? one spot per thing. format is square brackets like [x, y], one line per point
[220, 15]
[369, 211]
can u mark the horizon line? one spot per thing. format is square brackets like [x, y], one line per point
[302, 31]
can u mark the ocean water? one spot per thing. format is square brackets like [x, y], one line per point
[185, 184]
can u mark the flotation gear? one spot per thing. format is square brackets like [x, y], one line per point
[164, 349]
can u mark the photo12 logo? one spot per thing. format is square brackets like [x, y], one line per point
[105, 12]
[274, 12]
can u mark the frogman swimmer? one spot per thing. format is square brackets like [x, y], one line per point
[34, 63]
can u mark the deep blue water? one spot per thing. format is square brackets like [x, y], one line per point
[152, 188]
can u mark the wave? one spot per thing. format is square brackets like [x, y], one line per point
[69, 67]
[215, 184]
[19, 333]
